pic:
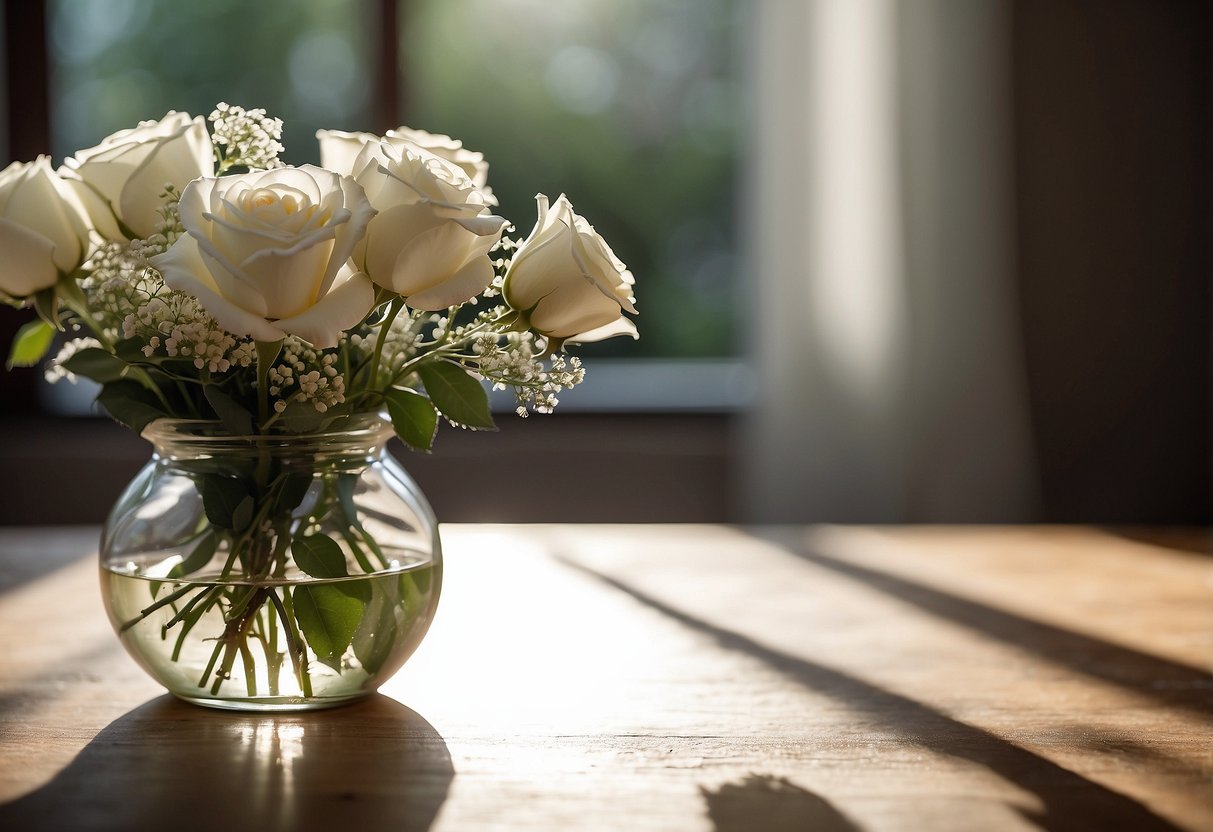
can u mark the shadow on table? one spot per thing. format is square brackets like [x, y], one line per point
[772, 804]
[1170, 683]
[169, 765]
[1069, 802]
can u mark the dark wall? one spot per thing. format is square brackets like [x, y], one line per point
[1112, 111]
[566, 467]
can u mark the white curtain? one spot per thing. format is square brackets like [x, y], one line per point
[881, 266]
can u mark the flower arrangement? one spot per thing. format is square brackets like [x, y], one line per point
[209, 281]
[198, 278]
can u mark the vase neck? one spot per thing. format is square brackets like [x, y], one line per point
[357, 438]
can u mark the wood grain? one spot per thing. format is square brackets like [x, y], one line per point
[666, 677]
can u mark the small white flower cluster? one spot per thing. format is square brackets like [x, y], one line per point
[514, 364]
[306, 375]
[177, 326]
[501, 264]
[55, 371]
[248, 137]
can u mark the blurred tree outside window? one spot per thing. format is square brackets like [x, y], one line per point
[628, 106]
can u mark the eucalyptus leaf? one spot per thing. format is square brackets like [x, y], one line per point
[459, 397]
[30, 344]
[319, 556]
[328, 616]
[237, 420]
[102, 366]
[130, 403]
[413, 416]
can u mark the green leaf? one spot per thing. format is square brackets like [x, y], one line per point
[237, 420]
[319, 556]
[291, 489]
[413, 417]
[130, 350]
[198, 558]
[346, 485]
[130, 403]
[46, 303]
[226, 501]
[102, 366]
[30, 344]
[459, 397]
[329, 616]
[377, 632]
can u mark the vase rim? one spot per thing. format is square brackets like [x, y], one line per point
[369, 429]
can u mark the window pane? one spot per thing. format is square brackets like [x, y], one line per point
[117, 62]
[629, 107]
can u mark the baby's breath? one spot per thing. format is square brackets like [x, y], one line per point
[246, 137]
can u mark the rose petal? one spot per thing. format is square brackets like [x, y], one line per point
[182, 269]
[25, 260]
[620, 326]
[342, 308]
[466, 283]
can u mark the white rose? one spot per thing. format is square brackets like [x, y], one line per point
[566, 280]
[267, 253]
[339, 149]
[43, 229]
[120, 181]
[430, 241]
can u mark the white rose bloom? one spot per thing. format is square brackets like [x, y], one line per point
[43, 228]
[430, 241]
[567, 281]
[267, 253]
[339, 149]
[120, 181]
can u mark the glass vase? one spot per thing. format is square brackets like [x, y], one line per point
[277, 572]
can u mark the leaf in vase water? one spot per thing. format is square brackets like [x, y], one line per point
[460, 398]
[377, 632]
[291, 489]
[199, 557]
[328, 615]
[226, 501]
[319, 556]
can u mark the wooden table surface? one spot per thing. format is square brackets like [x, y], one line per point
[666, 677]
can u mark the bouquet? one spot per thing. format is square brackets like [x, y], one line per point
[197, 278]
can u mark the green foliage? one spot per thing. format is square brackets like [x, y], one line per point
[30, 344]
[237, 420]
[102, 366]
[319, 556]
[329, 615]
[413, 417]
[459, 397]
[198, 557]
[378, 628]
[130, 403]
[227, 502]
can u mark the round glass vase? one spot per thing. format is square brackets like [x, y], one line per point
[272, 573]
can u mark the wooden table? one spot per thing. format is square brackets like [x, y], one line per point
[666, 677]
